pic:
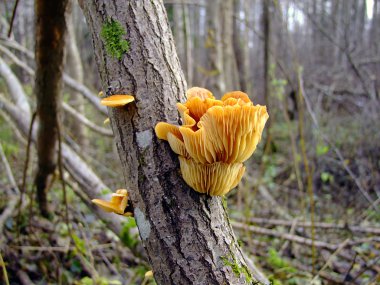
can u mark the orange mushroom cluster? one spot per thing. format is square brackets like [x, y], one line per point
[117, 205]
[216, 137]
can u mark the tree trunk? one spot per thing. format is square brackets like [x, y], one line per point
[213, 45]
[267, 62]
[50, 36]
[188, 45]
[75, 70]
[230, 71]
[240, 45]
[187, 236]
[178, 33]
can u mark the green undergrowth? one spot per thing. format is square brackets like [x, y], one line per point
[238, 269]
[128, 238]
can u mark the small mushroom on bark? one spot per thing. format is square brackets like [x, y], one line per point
[117, 205]
[117, 100]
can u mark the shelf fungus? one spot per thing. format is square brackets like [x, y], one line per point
[117, 100]
[216, 137]
[117, 205]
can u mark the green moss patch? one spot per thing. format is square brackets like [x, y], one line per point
[112, 33]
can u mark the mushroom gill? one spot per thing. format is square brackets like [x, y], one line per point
[214, 179]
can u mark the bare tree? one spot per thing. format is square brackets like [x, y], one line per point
[229, 73]
[240, 44]
[75, 70]
[50, 35]
[213, 44]
[267, 60]
[187, 236]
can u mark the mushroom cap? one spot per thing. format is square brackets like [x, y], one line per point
[236, 95]
[117, 100]
[118, 203]
[199, 92]
[215, 179]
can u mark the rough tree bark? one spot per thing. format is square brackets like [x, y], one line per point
[50, 35]
[187, 236]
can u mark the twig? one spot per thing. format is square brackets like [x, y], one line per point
[365, 267]
[297, 238]
[25, 171]
[291, 231]
[347, 274]
[337, 151]
[329, 260]
[24, 278]
[8, 170]
[294, 238]
[109, 264]
[5, 215]
[61, 176]
[265, 193]
[85, 121]
[5, 274]
[63, 249]
[85, 263]
[16, 60]
[324, 275]
[15, 45]
[308, 170]
[338, 226]
[69, 81]
[12, 19]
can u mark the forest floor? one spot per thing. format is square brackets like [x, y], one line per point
[337, 241]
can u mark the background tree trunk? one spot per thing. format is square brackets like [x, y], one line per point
[188, 45]
[50, 36]
[267, 61]
[187, 236]
[240, 45]
[75, 70]
[229, 72]
[213, 44]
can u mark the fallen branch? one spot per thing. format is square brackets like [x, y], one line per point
[293, 238]
[299, 239]
[69, 81]
[24, 278]
[9, 210]
[336, 150]
[330, 259]
[90, 183]
[336, 226]
[15, 90]
[85, 121]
